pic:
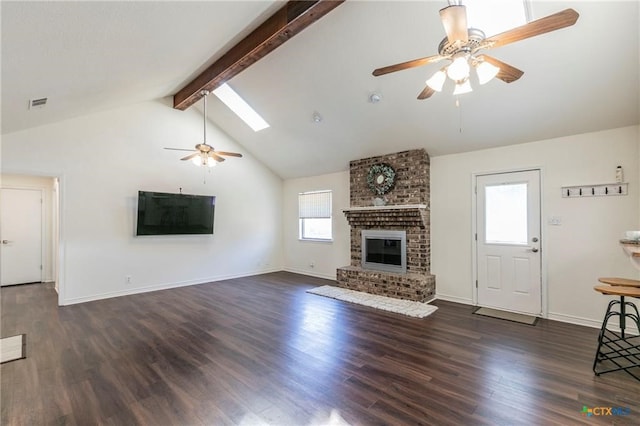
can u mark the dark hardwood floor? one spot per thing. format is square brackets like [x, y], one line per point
[260, 350]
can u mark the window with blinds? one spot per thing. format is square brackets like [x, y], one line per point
[314, 215]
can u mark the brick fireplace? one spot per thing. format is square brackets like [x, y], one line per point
[406, 209]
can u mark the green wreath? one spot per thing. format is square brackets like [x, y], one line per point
[381, 178]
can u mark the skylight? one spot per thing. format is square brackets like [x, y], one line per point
[242, 109]
[496, 16]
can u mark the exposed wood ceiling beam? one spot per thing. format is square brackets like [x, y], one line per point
[288, 21]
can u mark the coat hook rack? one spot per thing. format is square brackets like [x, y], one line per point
[601, 190]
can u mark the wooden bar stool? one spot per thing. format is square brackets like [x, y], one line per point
[625, 282]
[620, 282]
[614, 347]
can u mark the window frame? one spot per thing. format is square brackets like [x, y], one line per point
[302, 220]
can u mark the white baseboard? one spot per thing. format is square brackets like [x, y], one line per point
[571, 319]
[590, 322]
[455, 299]
[164, 286]
[311, 273]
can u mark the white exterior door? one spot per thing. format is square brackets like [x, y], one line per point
[20, 236]
[508, 241]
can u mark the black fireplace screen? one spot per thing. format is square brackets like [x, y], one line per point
[384, 250]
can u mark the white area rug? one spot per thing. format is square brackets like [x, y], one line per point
[404, 307]
[12, 348]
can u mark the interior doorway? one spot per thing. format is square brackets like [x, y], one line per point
[508, 241]
[21, 236]
[30, 206]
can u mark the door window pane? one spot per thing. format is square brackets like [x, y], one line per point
[506, 214]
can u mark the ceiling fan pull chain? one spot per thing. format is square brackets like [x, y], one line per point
[459, 114]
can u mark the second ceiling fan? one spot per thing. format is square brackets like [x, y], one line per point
[204, 154]
[462, 46]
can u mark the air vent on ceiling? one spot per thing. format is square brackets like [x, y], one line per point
[37, 103]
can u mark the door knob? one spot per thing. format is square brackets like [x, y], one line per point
[5, 241]
[535, 249]
[534, 239]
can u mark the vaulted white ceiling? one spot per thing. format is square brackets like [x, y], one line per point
[91, 56]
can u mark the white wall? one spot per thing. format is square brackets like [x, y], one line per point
[104, 159]
[46, 185]
[326, 256]
[586, 245]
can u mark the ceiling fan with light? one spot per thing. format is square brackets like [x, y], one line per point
[462, 47]
[205, 154]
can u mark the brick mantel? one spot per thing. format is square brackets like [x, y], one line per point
[413, 215]
[378, 208]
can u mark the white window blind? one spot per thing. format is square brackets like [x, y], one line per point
[314, 205]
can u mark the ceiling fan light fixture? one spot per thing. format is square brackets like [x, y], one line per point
[199, 160]
[462, 87]
[459, 68]
[203, 160]
[436, 82]
[486, 72]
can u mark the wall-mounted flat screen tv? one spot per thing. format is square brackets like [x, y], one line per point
[161, 213]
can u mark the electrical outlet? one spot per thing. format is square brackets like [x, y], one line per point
[555, 220]
[127, 279]
[312, 264]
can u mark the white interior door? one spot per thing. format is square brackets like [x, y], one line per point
[508, 241]
[20, 236]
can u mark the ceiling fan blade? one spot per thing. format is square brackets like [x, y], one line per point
[507, 73]
[454, 21]
[179, 149]
[216, 157]
[559, 20]
[406, 65]
[426, 93]
[230, 154]
[189, 157]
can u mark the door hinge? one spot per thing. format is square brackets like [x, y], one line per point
[476, 283]
[476, 236]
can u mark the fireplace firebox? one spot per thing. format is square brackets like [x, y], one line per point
[384, 250]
